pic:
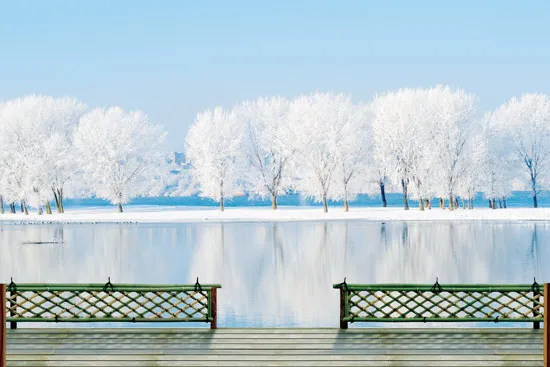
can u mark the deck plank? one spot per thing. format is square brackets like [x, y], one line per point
[274, 347]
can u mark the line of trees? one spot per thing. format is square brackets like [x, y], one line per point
[52, 148]
[428, 143]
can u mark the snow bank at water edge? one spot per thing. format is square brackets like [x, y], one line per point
[195, 214]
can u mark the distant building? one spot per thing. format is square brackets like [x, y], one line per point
[176, 158]
[179, 158]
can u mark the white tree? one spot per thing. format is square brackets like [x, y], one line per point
[471, 180]
[451, 121]
[319, 121]
[268, 147]
[352, 152]
[498, 166]
[119, 152]
[525, 122]
[36, 134]
[214, 151]
[18, 122]
[60, 159]
[399, 129]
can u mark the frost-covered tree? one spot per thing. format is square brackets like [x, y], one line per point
[451, 123]
[471, 179]
[525, 124]
[36, 135]
[60, 159]
[214, 151]
[119, 152]
[268, 147]
[319, 121]
[399, 131]
[18, 121]
[498, 164]
[352, 151]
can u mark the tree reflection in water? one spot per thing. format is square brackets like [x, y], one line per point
[278, 273]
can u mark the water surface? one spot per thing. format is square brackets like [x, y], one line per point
[277, 274]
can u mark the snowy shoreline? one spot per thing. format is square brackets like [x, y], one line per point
[197, 214]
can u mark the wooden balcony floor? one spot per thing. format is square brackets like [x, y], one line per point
[274, 347]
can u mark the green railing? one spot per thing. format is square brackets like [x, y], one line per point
[111, 303]
[440, 302]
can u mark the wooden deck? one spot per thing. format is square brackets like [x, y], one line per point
[274, 347]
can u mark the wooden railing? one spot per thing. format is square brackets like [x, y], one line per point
[440, 303]
[110, 303]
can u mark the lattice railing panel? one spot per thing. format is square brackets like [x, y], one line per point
[446, 303]
[92, 303]
[456, 305]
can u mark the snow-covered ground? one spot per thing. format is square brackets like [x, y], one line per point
[153, 214]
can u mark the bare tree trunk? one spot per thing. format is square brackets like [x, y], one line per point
[222, 205]
[1, 204]
[451, 202]
[273, 201]
[48, 208]
[405, 199]
[504, 203]
[346, 204]
[494, 203]
[383, 194]
[325, 205]
[441, 203]
[25, 209]
[120, 210]
[534, 189]
[429, 202]
[21, 207]
[12, 208]
[499, 204]
[39, 210]
[490, 204]
[470, 204]
[463, 203]
[456, 203]
[60, 208]
[56, 199]
[421, 204]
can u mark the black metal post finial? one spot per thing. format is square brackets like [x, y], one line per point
[535, 287]
[436, 287]
[12, 287]
[343, 285]
[108, 285]
[198, 287]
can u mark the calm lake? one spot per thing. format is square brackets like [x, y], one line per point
[277, 274]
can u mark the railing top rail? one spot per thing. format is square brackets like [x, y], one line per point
[438, 287]
[37, 287]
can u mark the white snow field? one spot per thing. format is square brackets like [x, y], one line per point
[152, 214]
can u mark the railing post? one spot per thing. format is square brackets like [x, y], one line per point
[214, 305]
[536, 300]
[546, 333]
[343, 324]
[3, 325]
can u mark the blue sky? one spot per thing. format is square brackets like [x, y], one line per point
[172, 59]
